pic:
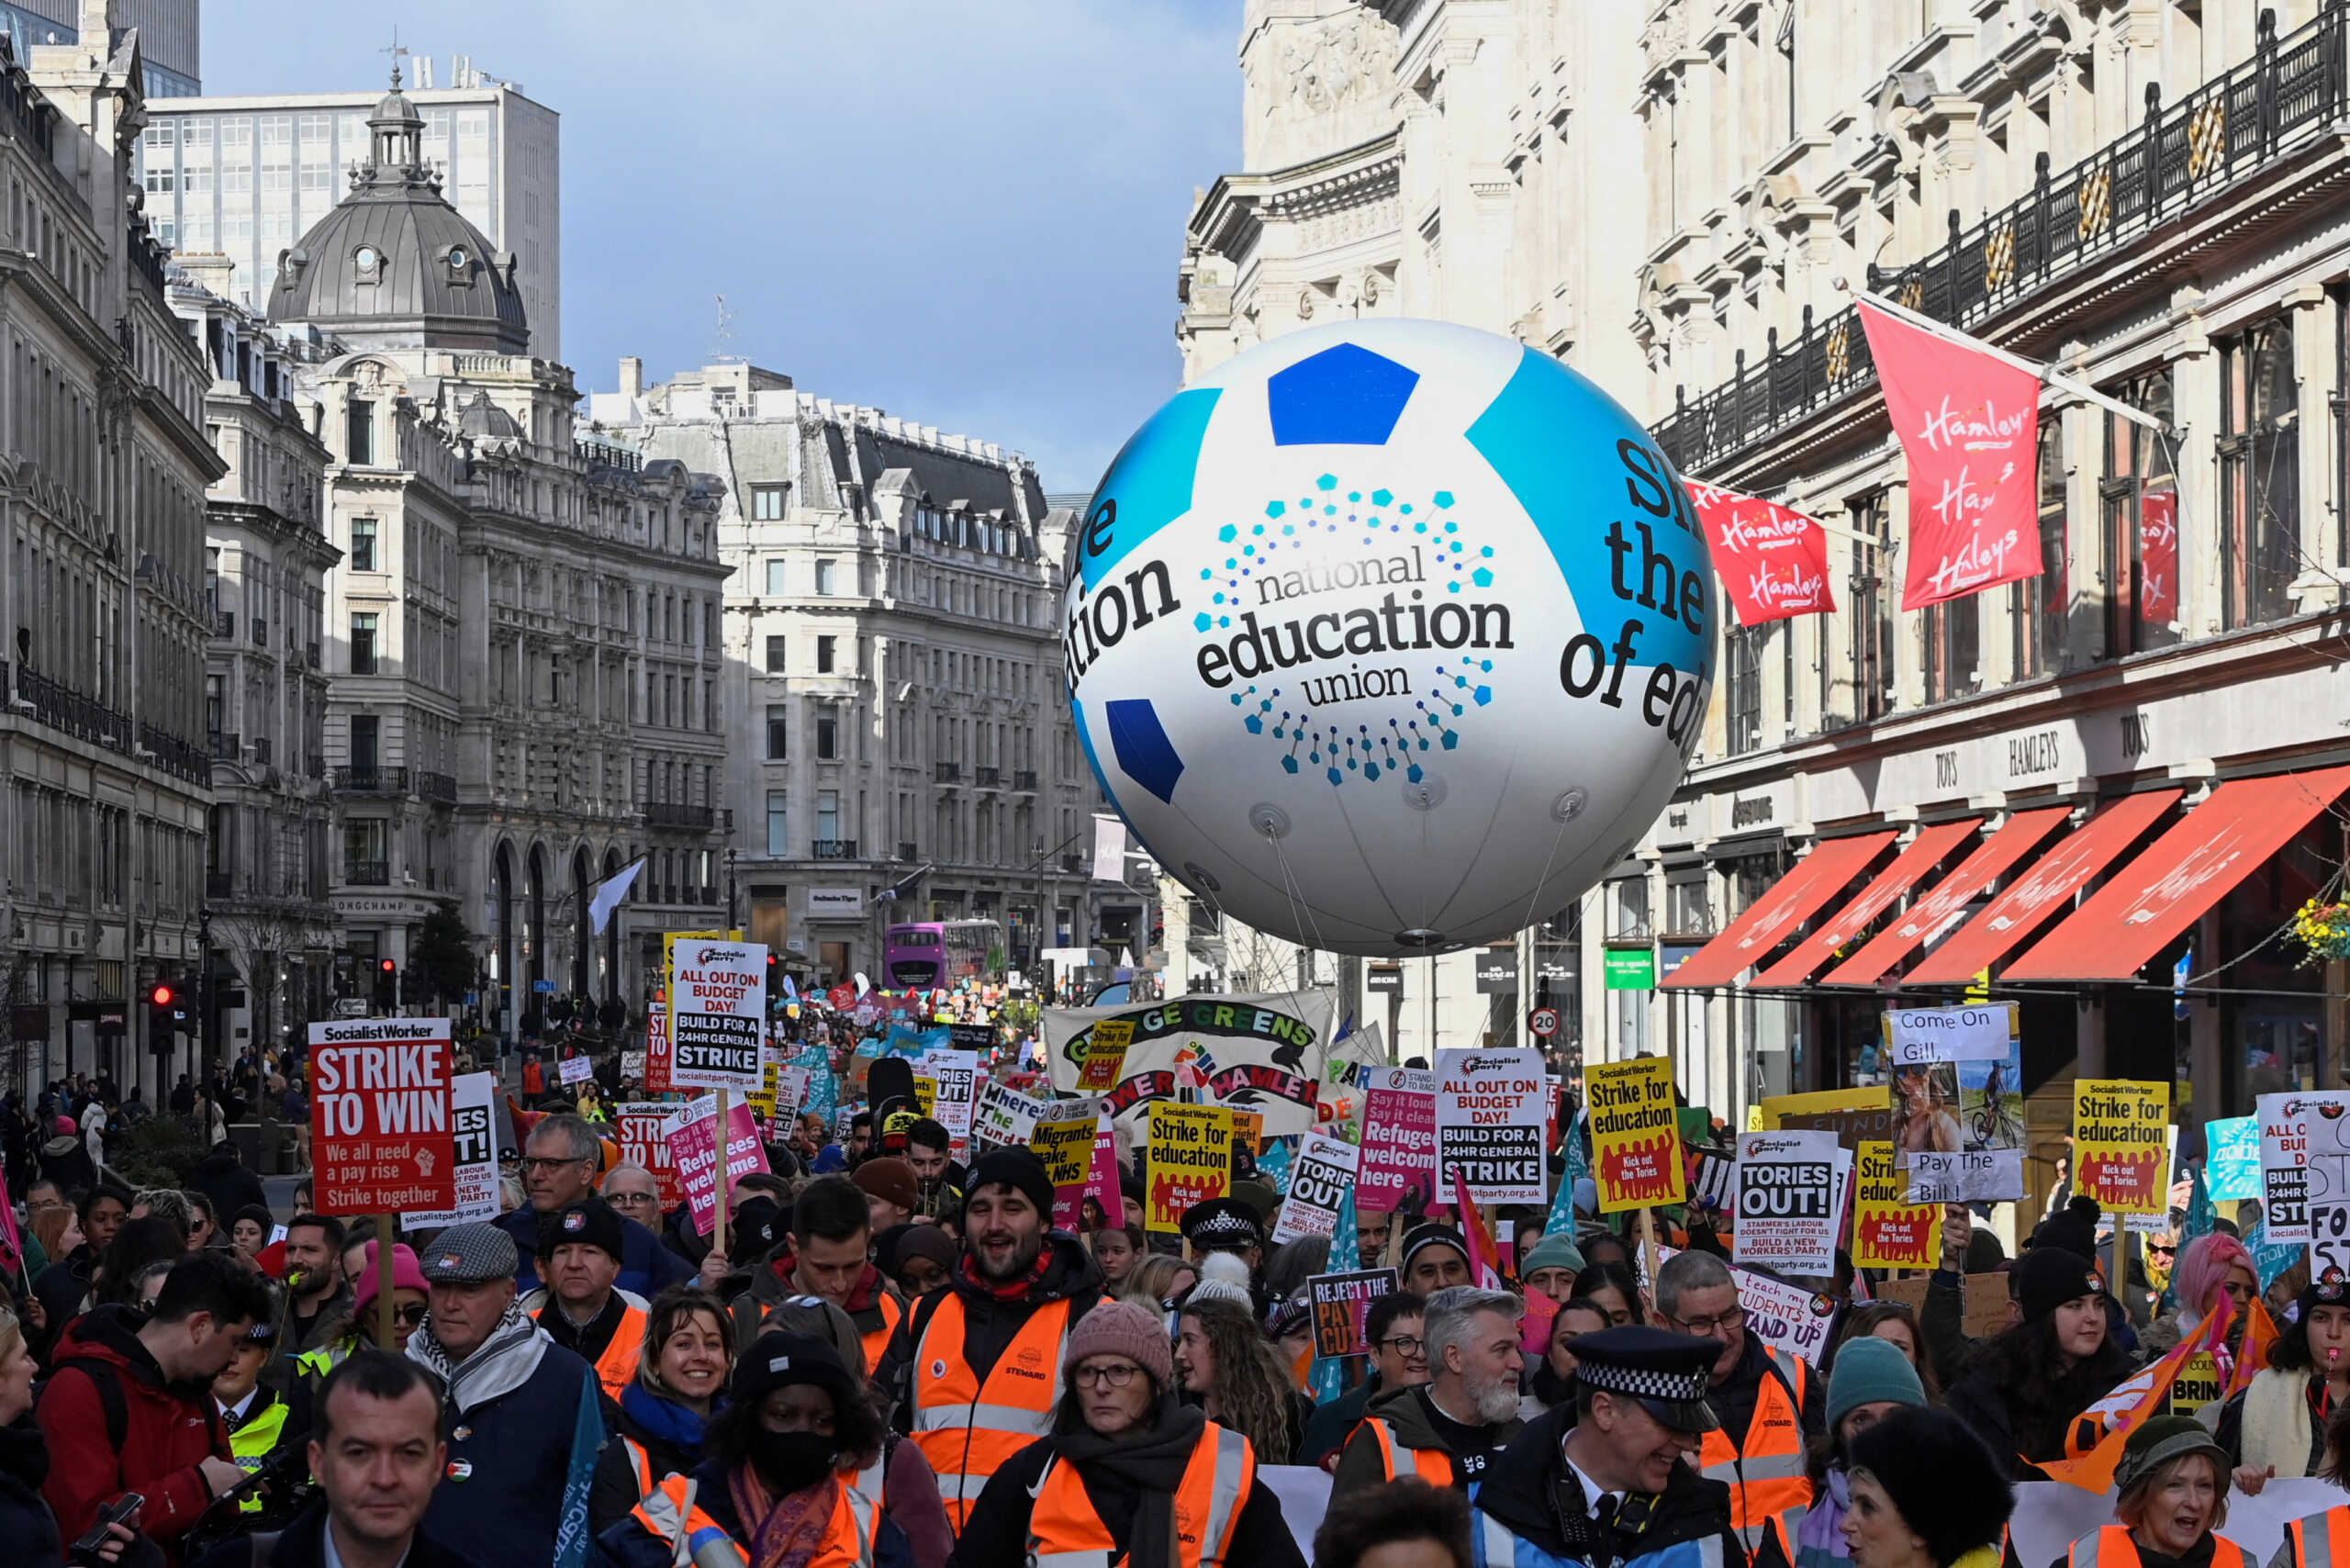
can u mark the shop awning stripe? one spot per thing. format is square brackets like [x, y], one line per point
[1925, 852]
[2153, 901]
[1947, 899]
[1791, 900]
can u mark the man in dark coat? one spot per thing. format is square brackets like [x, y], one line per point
[223, 1178]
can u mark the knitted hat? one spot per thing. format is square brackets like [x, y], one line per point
[1551, 1253]
[2321, 1293]
[819, 1319]
[1435, 1233]
[2074, 1230]
[2162, 1439]
[1943, 1481]
[778, 1361]
[406, 1276]
[1122, 1329]
[1016, 1168]
[1260, 1195]
[1223, 1276]
[892, 1181]
[1868, 1370]
[590, 1220]
[2047, 1277]
[921, 1241]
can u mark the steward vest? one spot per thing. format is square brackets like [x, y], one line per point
[969, 1429]
[2112, 1548]
[1495, 1545]
[1434, 1466]
[1065, 1530]
[1765, 1468]
[257, 1437]
[877, 1341]
[2320, 1540]
[616, 1368]
[670, 1513]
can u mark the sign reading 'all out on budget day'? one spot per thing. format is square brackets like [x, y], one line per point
[476, 1151]
[382, 1138]
[1788, 1219]
[1491, 1109]
[1635, 1135]
[717, 1008]
[2285, 1121]
[1318, 1181]
[2121, 1144]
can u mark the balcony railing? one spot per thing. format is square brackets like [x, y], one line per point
[2292, 94]
[1023, 778]
[987, 778]
[77, 715]
[371, 780]
[949, 773]
[674, 813]
[438, 786]
[367, 873]
[833, 849]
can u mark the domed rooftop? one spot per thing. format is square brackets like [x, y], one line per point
[394, 265]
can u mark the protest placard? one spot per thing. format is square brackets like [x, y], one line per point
[576, 1070]
[790, 1093]
[693, 1147]
[1889, 1231]
[1190, 1161]
[1398, 1138]
[475, 1153]
[1958, 1125]
[632, 1067]
[1063, 1139]
[1248, 1131]
[1319, 1179]
[1976, 1033]
[1340, 1303]
[2284, 1163]
[643, 1126]
[1004, 1116]
[1982, 1313]
[762, 1099]
[1491, 1110]
[717, 1007]
[1785, 1317]
[657, 1060]
[381, 1133]
[972, 1037]
[1105, 1054]
[1787, 1190]
[2120, 1139]
[1635, 1138]
[2232, 1145]
[954, 1074]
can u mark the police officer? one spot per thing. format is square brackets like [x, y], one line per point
[254, 1414]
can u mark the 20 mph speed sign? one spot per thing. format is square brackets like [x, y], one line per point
[1543, 1022]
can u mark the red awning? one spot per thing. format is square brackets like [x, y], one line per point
[2042, 892]
[1793, 899]
[2187, 870]
[1925, 852]
[1992, 857]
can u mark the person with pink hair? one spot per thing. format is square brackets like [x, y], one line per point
[2213, 1271]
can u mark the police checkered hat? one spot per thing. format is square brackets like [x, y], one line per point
[1667, 1373]
[469, 1255]
[1223, 1224]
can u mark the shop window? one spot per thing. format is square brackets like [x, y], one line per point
[776, 731]
[2139, 501]
[2260, 533]
[2040, 606]
[1743, 688]
[1954, 645]
[1629, 899]
[1870, 630]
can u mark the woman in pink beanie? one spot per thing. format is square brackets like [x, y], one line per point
[2212, 1271]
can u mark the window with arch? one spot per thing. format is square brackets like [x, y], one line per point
[2260, 476]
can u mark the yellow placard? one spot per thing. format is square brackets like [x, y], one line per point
[926, 1095]
[1105, 1053]
[1249, 1127]
[2198, 1384]
[1777, 1107]
[1635, 1137]
[1887, 1232]
[2121, 1144]
[1191, 1161]
[1066, 1146]
[761, 1100]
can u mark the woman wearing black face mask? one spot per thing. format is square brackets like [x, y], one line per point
[793, 1475]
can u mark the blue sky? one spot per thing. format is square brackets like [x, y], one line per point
[967, 212]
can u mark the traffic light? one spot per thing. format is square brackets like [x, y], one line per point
[166, 1011]
[388, 980]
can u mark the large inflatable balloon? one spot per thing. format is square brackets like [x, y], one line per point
[1389, 636]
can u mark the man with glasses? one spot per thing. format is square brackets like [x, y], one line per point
[1444, 1429]
[634, 1194]
[1399, 1359]
[1768, 1404]
[561, 1161]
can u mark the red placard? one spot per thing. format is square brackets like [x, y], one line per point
[1772, 559]
[644, 1142]
[1970, 427]
[2158, 557]
[657, 1055]
[381, 1137]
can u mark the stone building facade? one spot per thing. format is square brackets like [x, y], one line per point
[892, 675]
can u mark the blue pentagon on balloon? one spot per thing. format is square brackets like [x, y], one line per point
[1142, 746]
[1345, 395]
[1148, 485]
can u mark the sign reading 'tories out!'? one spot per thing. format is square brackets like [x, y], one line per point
[1382, 633]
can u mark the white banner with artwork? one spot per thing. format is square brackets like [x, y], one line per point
[1262, 1053]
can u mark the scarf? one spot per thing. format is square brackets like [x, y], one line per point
[1150, 1465]
[1017, 1290]
[1823, 1527]
[785, 1531]
[666, 1419]
[500, 1364]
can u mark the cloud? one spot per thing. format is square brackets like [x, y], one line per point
[970, 214]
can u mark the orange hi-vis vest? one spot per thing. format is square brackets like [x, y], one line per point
[2112, 1548]
[1434, 1466]
[878, 1341]
[2320, 1540]
[968, 1428]
[1765, 1469]
[1065, 1530]
[616, 1368]
[670, 1513]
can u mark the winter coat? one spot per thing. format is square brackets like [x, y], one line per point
[26, 1522]
[166, 1435]
[990, 1322]
[1361, 1465]
[229, 1184]
[302, 1544]
[1515, 1511]
[997, 1533]
[628, 1544]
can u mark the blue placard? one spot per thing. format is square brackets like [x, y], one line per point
[2233, 1145]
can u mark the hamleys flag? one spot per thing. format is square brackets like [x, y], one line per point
[1970, 426]
[1772, 559]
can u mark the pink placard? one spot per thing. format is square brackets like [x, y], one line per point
[1101, 1181]
[693, 1145]
[1398, 1139]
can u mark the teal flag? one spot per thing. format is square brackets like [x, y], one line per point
[1329, 1377]
[1273, 1166]
[1562, 1207]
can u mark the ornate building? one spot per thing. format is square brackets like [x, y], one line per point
[102, 533]
[893, 663]
[522, 629]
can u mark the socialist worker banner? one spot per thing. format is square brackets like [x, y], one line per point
[1772, 559]
[1970, 427]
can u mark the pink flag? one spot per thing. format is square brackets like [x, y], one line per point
[1970, 426]
[1772, 559]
